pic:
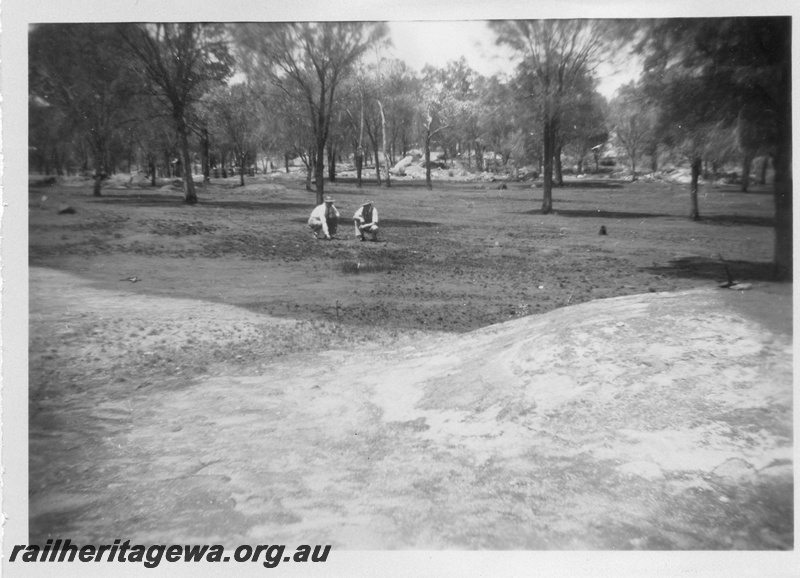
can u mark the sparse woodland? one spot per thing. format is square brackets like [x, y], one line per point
[180, 100]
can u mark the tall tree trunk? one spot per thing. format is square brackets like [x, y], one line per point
[178, 165]
[319, 169]
[547, 185]
[697, 167]
[152, 164]
[189, 193]
[653, 154]
[206, 161]
[633, 168]
[241, 168]
[359, 165]
[747, 163]
[309, 176]
[764, 166]
[321, 133]
[385, 155]
[377, 163]
[98, 179]
[331, 162]
[286, 161]
[428, 160]
[99, 168]
[360, 149]
[559, 171]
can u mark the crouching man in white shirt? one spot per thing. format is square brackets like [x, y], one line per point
[324, 219]
[366, 221]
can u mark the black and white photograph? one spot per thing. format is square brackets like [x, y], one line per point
[389, 290]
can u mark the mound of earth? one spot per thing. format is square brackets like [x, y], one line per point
[658, 421]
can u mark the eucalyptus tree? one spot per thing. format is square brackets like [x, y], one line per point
[498, 119]
[557, 54]
[691, 115]
[437, 111]
[75, 69]
[694, 108]
[372, 104]
[293, 127]
[235, 114]
[728, 65]
[401, 89]
[484, 116]
[396, 96]
[469, 126]
[459, 81]
[157, 145]
[581, 117]
[584, 124]
[309, 60]
[755, 135]
[633, 117]
[179, 62]
[268, 138]
[374, 121]
[381, 103]
[53, 146]
[352, 125]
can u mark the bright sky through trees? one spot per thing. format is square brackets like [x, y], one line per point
[438, 42]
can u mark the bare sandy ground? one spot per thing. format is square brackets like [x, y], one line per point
[657, 421]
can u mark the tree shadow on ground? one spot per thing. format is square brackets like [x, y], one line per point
[139, 199]
[737, 189]
[723, 220]
[593, 184]
[713, 269]
[600, 214]
[161, 200]
[736, 220]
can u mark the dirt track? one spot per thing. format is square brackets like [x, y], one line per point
[660, 421]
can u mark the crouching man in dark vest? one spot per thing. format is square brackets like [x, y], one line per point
[366, 221]
[324, 219]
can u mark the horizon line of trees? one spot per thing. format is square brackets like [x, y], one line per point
[166, 97]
